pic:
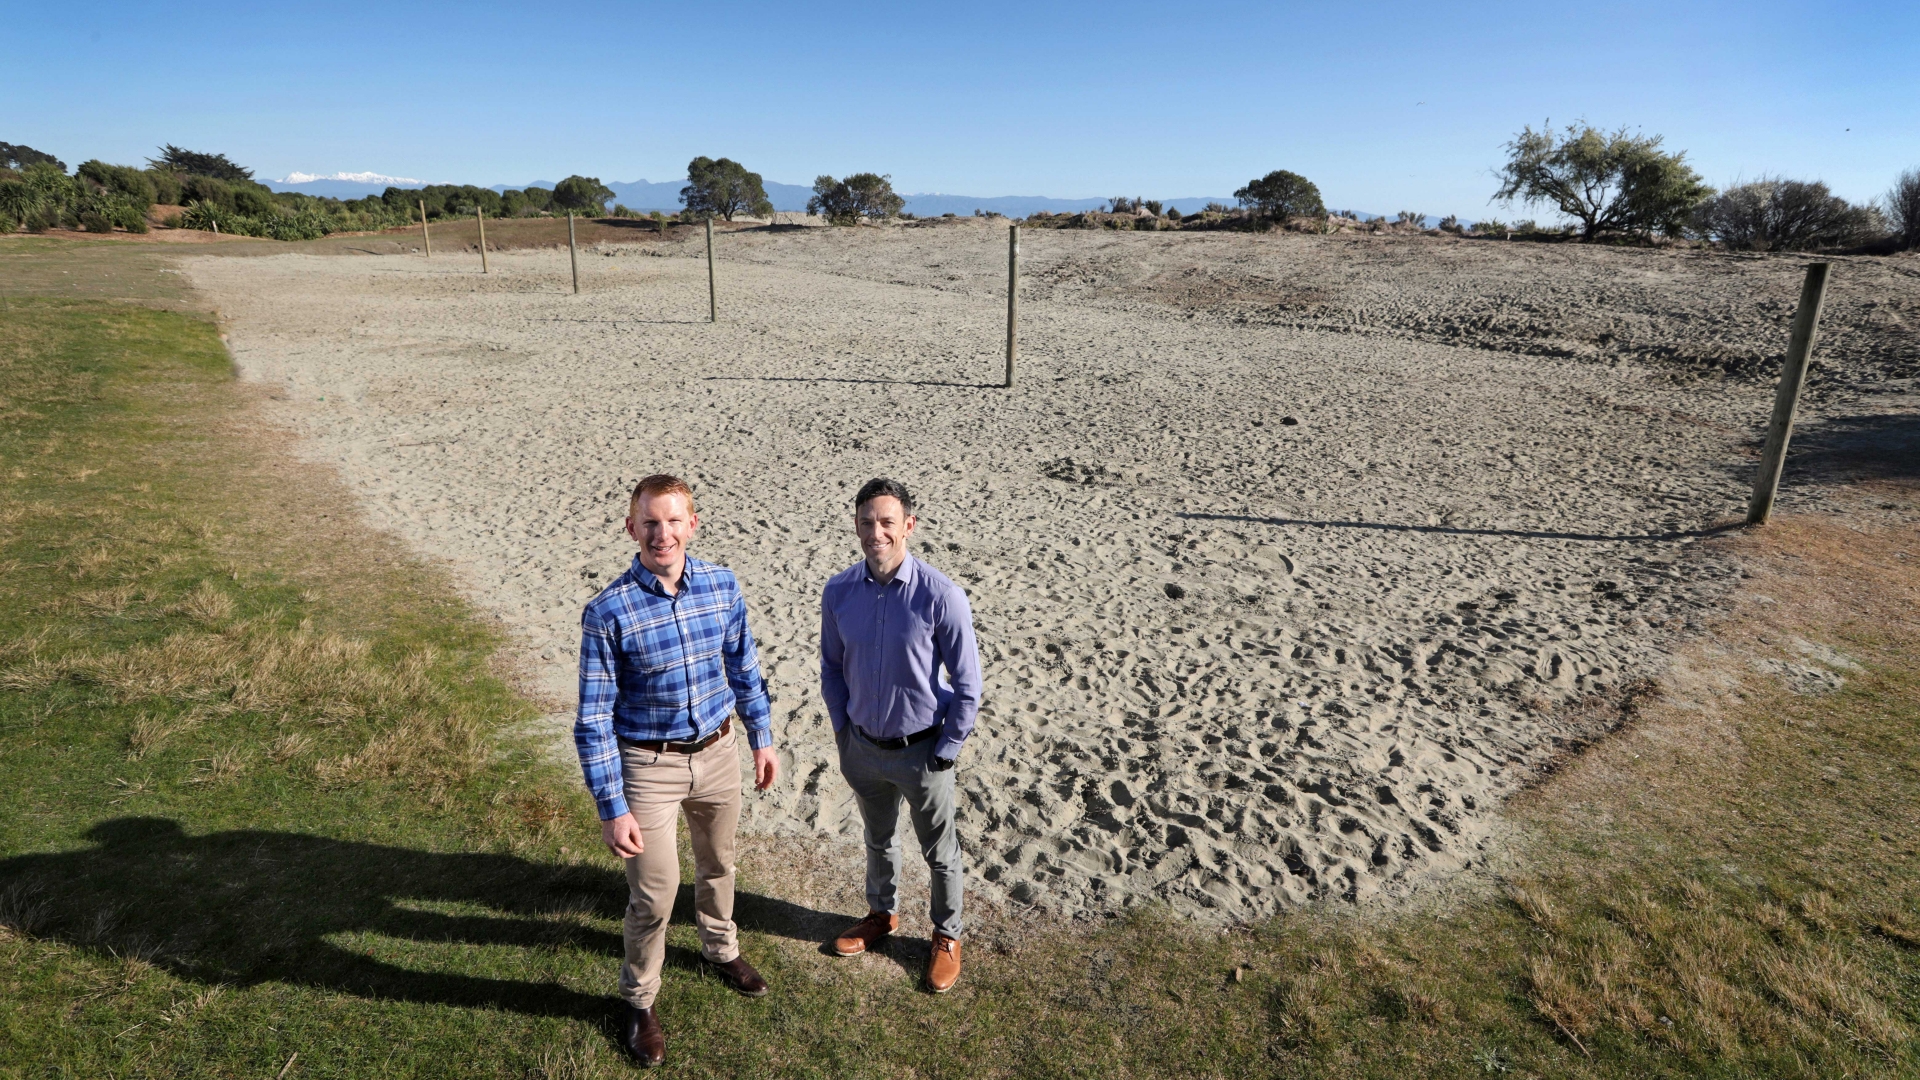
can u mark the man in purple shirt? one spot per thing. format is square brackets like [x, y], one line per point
[890, 626]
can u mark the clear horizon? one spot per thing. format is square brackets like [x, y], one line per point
[1390, 106]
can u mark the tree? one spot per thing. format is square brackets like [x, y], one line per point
[1609, 182]
[193, 163]
[1771, 214]
[1903, 208]
[19, 157]
[1280, 195]
[723, 187]
[862, 195]
[582, 195]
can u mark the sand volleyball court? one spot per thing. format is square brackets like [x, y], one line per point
[1288, 554]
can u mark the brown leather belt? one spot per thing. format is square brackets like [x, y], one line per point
[687, 747]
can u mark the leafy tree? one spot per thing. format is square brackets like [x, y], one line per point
[193, 163]
[1903, 208]
[1771, 214]
[1609, 182]
[582, 195]
[1280, 195]
[723, 188]
[527, 203]
[19, 157]
[862, 195]
[131, 183]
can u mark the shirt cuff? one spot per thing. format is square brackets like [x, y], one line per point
[948, 748]
[611, 808]
[759, 738]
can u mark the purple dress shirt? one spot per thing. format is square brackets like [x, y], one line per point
[882, 648]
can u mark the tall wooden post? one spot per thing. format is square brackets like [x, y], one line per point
[713, 294]
[1786, 400]
[1013, 300]
[480, 216]
[425, 236]
[573, 254]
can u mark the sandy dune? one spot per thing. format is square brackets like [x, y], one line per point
[1276, 596]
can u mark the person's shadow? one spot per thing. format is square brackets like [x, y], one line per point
[248, 907]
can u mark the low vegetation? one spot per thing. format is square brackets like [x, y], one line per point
[1772, 214]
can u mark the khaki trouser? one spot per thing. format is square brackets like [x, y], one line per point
[707, 786]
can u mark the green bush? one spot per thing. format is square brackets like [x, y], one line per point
[192, 163]
[166, 186]
[1770, 214]
[1281, 195]
[130, 183]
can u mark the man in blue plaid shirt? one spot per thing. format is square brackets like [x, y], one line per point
[666, 664]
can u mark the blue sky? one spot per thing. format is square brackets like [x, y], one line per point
[1387, 106]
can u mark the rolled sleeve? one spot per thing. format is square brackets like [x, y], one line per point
[960, 654]
[593, 735]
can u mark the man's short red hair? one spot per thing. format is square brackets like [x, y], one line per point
[660, 484]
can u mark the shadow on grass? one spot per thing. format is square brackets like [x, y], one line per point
[248, 907]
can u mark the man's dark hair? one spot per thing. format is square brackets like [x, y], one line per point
[878, 486]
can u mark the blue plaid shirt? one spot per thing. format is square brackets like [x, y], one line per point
[664, 668]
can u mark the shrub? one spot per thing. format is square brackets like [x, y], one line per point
[862, 195]
[1903, 208]
[1415, 218]
[1771, 214]
[1451, 224]
[1609, 182]
[1280, 195]
[582, 195]
[723, 188]
[1151, 206]
[124, 180]
[166, 186]
[1490, 227]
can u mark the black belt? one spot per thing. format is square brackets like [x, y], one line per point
[687, 747]
[900, 744]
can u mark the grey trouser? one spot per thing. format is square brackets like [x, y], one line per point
[880, 779]
[659, 786]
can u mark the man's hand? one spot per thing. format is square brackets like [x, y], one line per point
[766, 767]
[622, 836]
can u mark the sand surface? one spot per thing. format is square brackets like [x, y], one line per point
[1286, 553]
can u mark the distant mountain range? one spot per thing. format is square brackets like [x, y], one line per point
[646, 196]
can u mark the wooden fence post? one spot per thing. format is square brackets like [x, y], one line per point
[1013, 299]
[713, 294]
[1786, 400]
[480, 216]
[425, 236]
[573, 254]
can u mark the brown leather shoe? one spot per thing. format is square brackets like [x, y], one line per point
[943, 968]
[864, 934]
[740, 975]
[641, 1037]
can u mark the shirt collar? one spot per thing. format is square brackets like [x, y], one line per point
[648, 581]
[904, 575]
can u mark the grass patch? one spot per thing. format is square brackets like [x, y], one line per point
[258, 800]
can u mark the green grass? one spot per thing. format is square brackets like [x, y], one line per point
[260, 797]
